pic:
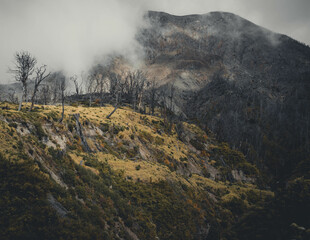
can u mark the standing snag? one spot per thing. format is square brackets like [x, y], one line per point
[62, 87]
[117, 92]
[152, 95]
[40, 76]
[90, 87]
[24, 68]
[77, 85]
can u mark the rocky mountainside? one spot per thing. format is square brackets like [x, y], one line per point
[247, 84]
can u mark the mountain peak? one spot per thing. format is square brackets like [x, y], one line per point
[224, 22]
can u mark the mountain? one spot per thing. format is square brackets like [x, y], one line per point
[247, 84]
[224, 155]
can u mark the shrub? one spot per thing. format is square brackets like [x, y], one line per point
[117, 129]
[70, 127]
[146, 136]
[39, 131]
[159, 140]
[248, 168]
[237, 206]
[197, 144]
[13, 125]
[52, 115]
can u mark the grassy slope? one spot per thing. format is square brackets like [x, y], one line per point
[138, 181]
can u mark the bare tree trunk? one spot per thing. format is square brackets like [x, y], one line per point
[40, 76]
[144, 108]
[22, 98]
[32, 98]
[25, 64]
[79, 130]
[20, 103]
[63, 106]
[25, 92]
[32, 103]
[101, 97]
[118, 102]
[45, 99]
[115, 108]
[62, 89]
[63, 109]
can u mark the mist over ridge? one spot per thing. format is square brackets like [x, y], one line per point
[72, 35]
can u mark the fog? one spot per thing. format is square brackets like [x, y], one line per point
[71, 35]
[67, 35]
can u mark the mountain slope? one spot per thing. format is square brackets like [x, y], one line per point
[119, 178]
[247, 84]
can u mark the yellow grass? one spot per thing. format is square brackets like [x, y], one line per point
[77, 160]
[133, 124]
[149, 171]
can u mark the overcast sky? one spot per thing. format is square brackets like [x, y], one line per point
[70, 34]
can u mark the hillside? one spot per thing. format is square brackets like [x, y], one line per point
[118, 178]
[247, 84]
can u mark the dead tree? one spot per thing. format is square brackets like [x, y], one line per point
[171, 106]
[101, 85]
[135, 85]
[40, 76]
[24, 67]
[79, 130]
[130, 86]
[141, 84]
[171, 96]
[90, 87]
[115, 108]
[55, 89]
[152, 95]
[166, 103]
[12, 96]
[62, 88]
[77, 85]
[45, 94]
[117, 92]
[54, 84]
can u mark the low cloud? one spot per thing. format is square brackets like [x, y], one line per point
[71, 34]
[68, 35]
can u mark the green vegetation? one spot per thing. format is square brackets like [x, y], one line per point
[233, 159]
